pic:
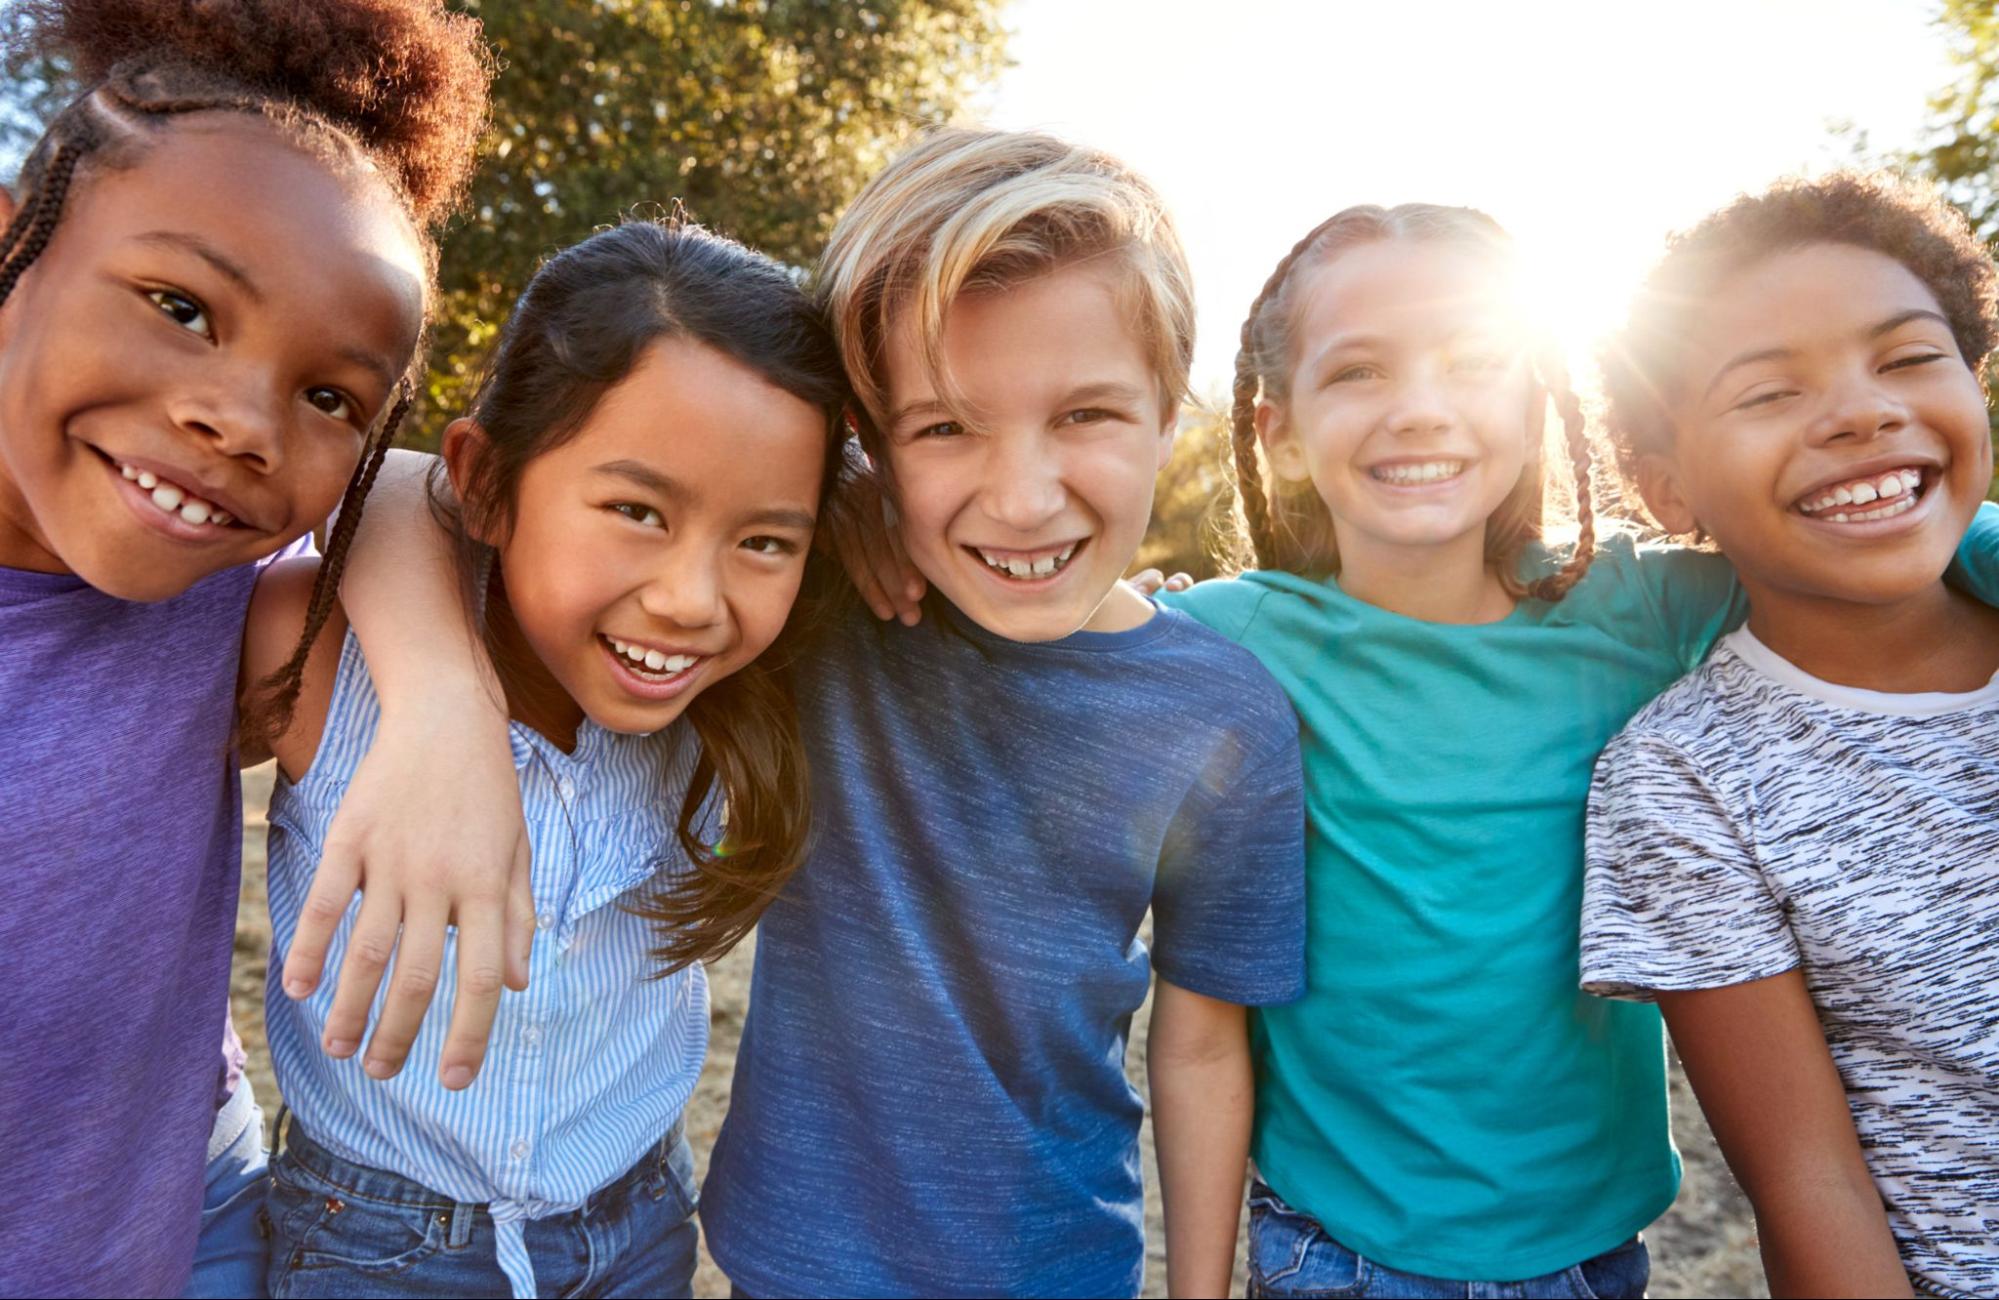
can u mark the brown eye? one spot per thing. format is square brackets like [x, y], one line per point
[182, 311]
[331, 401]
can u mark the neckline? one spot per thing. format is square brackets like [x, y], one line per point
[1911, 704]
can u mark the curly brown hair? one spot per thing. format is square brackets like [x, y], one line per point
[400, 84]
[1642, 364]
[1289, 528]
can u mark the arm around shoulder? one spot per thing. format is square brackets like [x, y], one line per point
[271, 633]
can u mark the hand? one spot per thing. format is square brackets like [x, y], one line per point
[431, 833]
[1149, 581]
[859, 530]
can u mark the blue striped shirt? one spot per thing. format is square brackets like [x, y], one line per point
[590, 1066]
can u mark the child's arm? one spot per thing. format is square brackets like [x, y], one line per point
[1758, 1062]
[1197, 1055]
[431, 829]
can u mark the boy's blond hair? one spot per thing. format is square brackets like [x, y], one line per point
[967, 211]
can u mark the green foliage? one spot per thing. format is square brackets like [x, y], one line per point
[1962, 151]
[762, 116]
[1194, 502]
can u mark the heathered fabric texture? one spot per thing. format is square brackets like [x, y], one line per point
[930, 1097]
[123, 820]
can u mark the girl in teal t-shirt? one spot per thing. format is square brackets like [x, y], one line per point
[1445, 1104]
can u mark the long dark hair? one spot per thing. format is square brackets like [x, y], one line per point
[579, 329]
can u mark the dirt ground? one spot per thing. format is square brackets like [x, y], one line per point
[1704, 1246]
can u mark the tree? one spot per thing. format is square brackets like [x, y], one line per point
[1962, 151]
[763, 117]
[1194, 502]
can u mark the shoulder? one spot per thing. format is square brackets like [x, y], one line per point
[1239, 607]
[276, 621]
[1221, 680]
[1691, 736]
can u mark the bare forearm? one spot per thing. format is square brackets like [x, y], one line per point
[1202, 1101]
[1828, 1236]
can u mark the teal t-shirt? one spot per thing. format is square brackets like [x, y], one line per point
[1445, 1099]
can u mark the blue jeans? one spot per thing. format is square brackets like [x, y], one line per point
[1291, 1255]
[342, 1229]
[232, 1253]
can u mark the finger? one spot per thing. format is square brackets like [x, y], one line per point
[412, 981]
[1180, 582]
[911, 580]
[481, 956]
[369, 947]
[520, 918]
[333, 886]
[1147, 581]
[887, 579]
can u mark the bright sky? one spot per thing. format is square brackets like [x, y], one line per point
[1589, 129]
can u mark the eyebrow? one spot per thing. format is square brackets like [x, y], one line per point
[208, 253]
[636, 471]
[373, 362]
[1105, 390]
[907, 409]
[1889, 326]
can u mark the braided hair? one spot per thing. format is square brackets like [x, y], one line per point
[1289, 528]
[399, 84]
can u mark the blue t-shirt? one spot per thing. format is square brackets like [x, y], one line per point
[930, 1097]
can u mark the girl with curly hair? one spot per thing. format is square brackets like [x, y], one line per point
[214, 280]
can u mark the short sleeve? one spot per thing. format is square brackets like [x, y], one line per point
[1976, 569]
[1673, 897]
[1693, 594]
[1228, 908]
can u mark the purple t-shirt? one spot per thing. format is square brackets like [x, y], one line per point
[123, 822]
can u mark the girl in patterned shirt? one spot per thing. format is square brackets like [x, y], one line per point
[1795, 851]
[634, 491]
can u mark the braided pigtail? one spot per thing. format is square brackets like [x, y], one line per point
[33, 226]
[269, 712]
[1575, 434]
[1254, 368]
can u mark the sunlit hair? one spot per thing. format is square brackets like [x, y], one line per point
[1288, 527]
[390, 89]
[972, 211]
[582, 325]
[1910, 222]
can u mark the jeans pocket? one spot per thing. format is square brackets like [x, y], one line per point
[316, 1226]
[671, 1178]
[1616, 1274]
[1290, 1255]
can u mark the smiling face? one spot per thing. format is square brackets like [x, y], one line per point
[189, 370]
[1828, 434]
[659, 549]
[1026, 509]
[1412, 407]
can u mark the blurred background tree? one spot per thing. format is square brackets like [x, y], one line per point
[762, 116]
[1195, 499]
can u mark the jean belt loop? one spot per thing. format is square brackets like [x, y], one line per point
[278, 1130]
[461, 1225]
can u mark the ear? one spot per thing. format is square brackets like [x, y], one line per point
[1280, 444]
[463, 447]
[1659, 484]
[1169, 429]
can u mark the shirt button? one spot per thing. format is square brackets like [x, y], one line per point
[531, 1036]
[519, 1150]
[546, 921]
[567, 787]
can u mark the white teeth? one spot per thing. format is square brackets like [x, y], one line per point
[1912, 478]
[1839, 518]
[655, 660]
[679, 663]
[1018, 567]
[128, 471]
[222, 519]
[1842, 497]
[1426, 472]
[168, 497]
[1893, 486]
[194, 512]
[146, 480]
[1863, 493]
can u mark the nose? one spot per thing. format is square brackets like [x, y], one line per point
[687, 590]
[1022, 487]
[1420, 408]
[1860, 410]
[236, 417]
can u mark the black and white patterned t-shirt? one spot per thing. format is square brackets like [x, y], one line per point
[1754, 819]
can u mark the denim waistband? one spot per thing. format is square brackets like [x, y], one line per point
[385, 1187]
